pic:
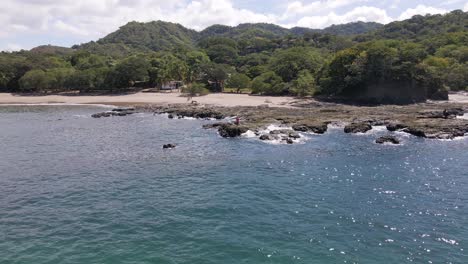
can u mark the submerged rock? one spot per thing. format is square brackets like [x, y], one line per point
[99, 115]
[230, 130]
[357, 128]
[169, 146]
[214, 125]
[388, 139]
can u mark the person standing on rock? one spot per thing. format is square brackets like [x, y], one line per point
[237, 122]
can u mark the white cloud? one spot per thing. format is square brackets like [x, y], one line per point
[299, 8]
[362, 13]
[420, 10]
[465, 8]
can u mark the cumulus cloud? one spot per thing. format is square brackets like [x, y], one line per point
[297, 7]
[421, 10]
[362, 13]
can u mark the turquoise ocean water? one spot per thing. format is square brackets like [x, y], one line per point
[74, 189]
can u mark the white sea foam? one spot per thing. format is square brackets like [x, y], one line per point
[465, 116]
[448, 241]
[249, 134]
[378, 129]
[336, 125]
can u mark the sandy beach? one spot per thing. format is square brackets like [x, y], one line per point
[150, 98]
[228, 100]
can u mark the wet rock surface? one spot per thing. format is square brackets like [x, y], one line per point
[318, 128]
[388, 139]
[357, 127]
[231, 130]
[115, 112]
[169, 146]
[430, 120]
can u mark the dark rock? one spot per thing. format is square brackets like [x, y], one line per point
[319, 128]
[415, 132]
[387, 139]
[130, 109]
[289, 141]
[230, 130]
[280, 131]
[169, 146]
[266, 137]
[395, 126]
[293, 135]
[103, 114]
[115, 112]
[201, 113]
[454, 112]
[357, 128]
[170, 116]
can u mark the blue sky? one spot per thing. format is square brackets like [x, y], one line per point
[29, 23]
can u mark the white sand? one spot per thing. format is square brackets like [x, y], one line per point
[169, 98]
[459, 97]
[155, 98]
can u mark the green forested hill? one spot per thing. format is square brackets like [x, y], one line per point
[156, 35]
[401, 62]
[419, 27]
[353, 28]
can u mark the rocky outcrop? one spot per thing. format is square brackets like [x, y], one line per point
[388, 139]
[231, 130]
[430, 120]
[169, 146]
[318, 128]
[115, 112]
[357, 128]
[415, 131]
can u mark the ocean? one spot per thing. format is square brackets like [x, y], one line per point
[74, 189]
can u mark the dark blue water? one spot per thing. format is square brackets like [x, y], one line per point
[74, 189]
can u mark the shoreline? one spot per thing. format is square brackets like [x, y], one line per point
[439, 120]
[216, 99]
[221, 99]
